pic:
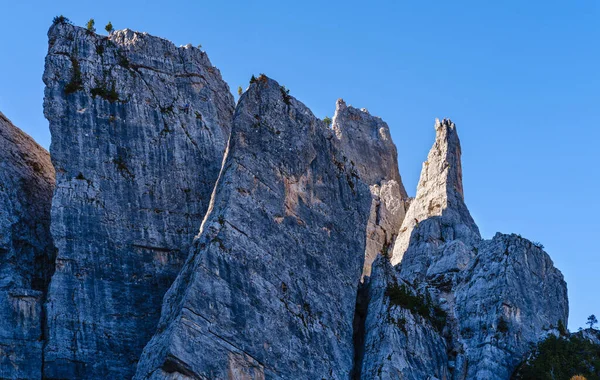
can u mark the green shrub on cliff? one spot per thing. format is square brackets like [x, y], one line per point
[561, 358]
[90, 26]
[401, 295]
[60, 20]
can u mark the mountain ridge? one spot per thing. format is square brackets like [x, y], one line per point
[307, 258]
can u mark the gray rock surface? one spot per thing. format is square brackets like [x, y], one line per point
[309, 262]
[591, 335]
[270, 288]
[500, 295]
[368, 146]
[399, 342]
[139, 128]
[26, 250]
[509, 296]
[439, 193]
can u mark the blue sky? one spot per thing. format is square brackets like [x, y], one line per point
[521, 79]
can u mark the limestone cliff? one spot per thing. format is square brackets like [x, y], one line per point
[269, 290]
[139, 128]
[26, 250]
[197, 239]
[368, 146]
[498, 297]
[440, 192]
[402, 332]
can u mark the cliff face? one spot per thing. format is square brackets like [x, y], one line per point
[510, 297]
[270, 287]
[439, 193]
[402, 332]
[139, 128]
[498, 297]
[26, 250]
[309, 262]
[368, 147]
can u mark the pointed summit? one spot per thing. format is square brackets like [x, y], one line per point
[507, 284]
[440, 189]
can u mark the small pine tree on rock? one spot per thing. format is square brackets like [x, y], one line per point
[109, 28]
[90, 26]
[240, 91]
[60, 20]
[327, 121]
[592, 320]
[562, 330]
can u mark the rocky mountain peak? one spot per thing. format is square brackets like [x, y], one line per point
[190, 237]
[367, 145]
[367, 142]
[444, 160]
[440, 190]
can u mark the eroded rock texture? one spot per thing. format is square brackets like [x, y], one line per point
[508, 297]
[368, 147]
[399, 342]
[270, 288]
[499, 296]
[439, 193]
[308, 264]
[26, 250]
[139, 128]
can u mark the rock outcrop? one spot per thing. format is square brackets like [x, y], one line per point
[509, 297]
[26, 250]
[439, 193]
[270, 288]
[139, 128]
[368, 147]
[402, 333]
[498, 296]
[189, 238]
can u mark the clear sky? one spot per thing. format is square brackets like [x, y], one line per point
[521, 79]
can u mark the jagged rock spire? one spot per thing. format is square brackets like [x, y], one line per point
[440, 189]
[493, 298]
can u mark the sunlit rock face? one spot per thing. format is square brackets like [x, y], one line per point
[440, 192]
[200, 240]
[368, 147]
[499, 296]
[26, 250]
[139, 128]
[269, 290]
